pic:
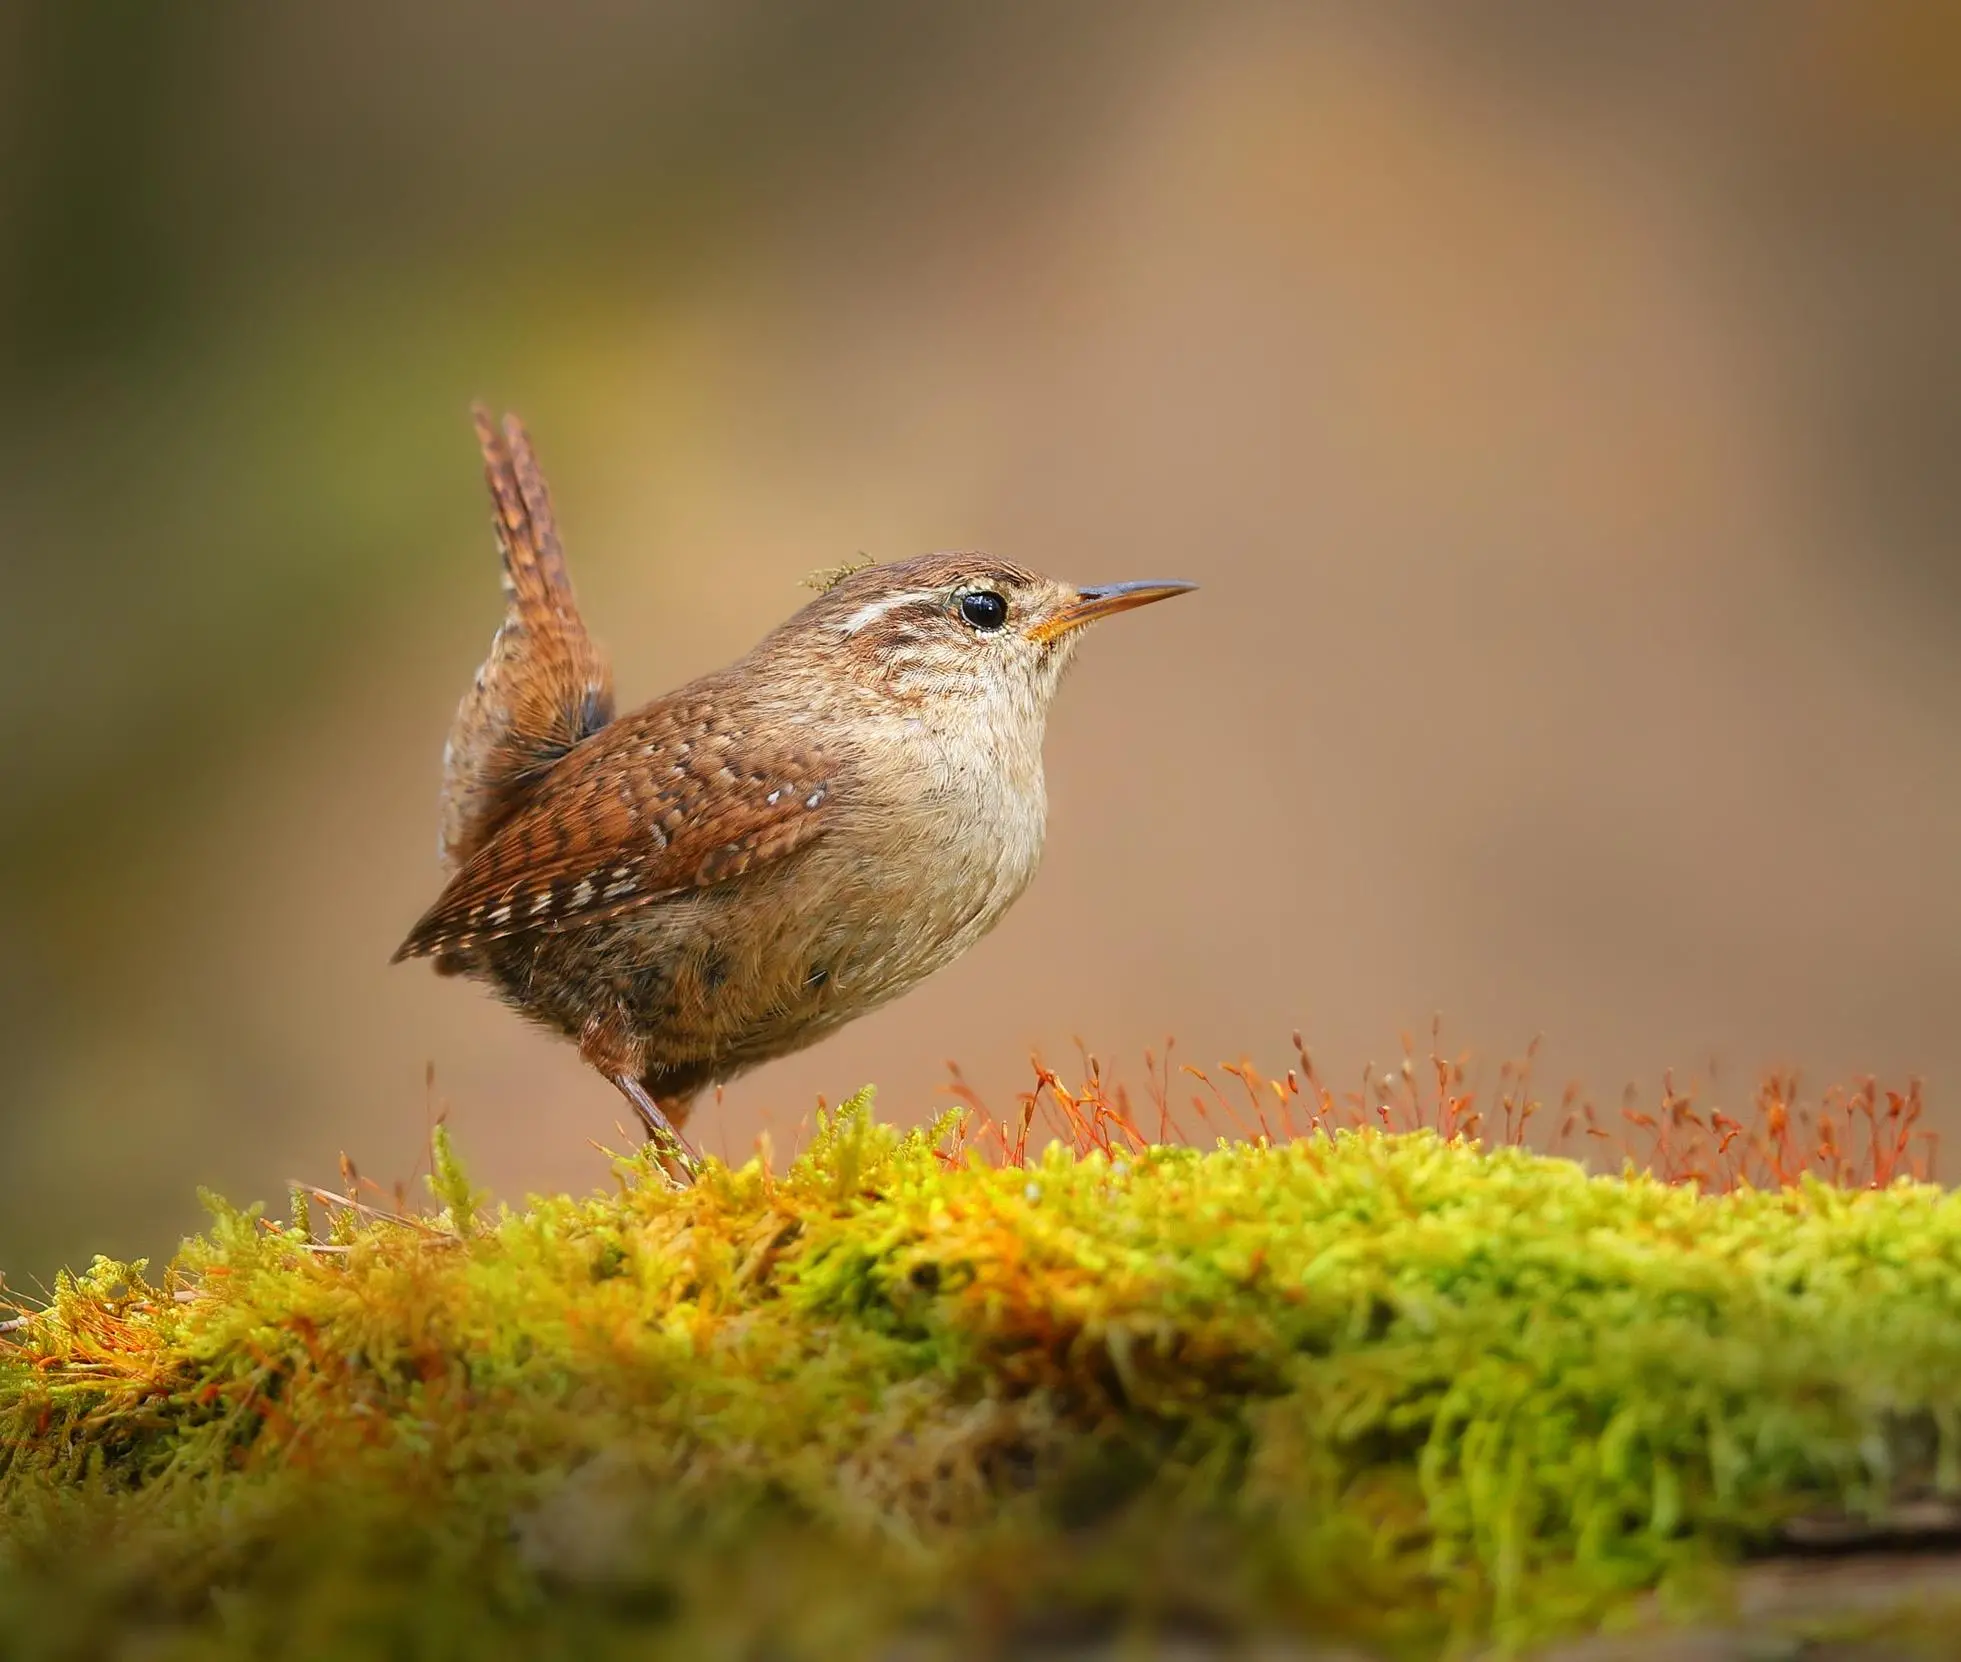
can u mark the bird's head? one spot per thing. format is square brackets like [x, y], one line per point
[959, 626]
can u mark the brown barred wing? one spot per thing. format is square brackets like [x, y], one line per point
[659, 804]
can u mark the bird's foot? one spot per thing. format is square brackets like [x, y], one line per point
[672, 1150]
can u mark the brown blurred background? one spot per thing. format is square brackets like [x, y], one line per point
[1559, 406]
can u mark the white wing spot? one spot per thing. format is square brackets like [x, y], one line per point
[583, 894]
[614, 891]
[502, 914]
[542, 904]
[774, 796]
[815, 797]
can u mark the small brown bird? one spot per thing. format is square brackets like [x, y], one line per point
[734, 870]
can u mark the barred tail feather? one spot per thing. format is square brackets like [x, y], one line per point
[545, 685]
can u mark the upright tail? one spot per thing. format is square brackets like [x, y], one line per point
[545, 685]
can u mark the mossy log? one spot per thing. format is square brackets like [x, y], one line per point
[1392, 1392]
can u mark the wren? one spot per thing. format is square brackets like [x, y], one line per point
[729, 873]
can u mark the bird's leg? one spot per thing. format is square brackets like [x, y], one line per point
[670, 1147]
[607, 1044]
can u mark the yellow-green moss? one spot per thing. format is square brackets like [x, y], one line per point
[1380, 1386]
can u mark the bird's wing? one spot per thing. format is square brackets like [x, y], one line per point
[665, 801]
[545, 685]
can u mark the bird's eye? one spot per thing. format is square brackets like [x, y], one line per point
[984, 609]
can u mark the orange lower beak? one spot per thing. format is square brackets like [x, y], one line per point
[1106, 601]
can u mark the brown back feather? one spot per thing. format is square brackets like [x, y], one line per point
[544, 686]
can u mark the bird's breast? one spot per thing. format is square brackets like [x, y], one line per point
[957, 818]
[976, 793]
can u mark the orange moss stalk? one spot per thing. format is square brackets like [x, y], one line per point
[1855, 1136]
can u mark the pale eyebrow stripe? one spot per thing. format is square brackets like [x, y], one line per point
[873, 610]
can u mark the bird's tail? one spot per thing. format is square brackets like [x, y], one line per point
[545, 685]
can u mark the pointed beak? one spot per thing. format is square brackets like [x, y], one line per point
[1106, 601]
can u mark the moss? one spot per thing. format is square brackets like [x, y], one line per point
[1387, 1387]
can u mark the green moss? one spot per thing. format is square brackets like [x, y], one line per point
[1385, 1387]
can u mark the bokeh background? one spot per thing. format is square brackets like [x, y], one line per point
[1558, 404]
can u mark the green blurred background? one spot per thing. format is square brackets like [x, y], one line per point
[1559, 406]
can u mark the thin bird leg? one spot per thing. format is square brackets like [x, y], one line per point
[668, 1143]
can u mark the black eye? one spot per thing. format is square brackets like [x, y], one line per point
[984, 609]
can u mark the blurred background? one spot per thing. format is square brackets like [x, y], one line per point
[1558, 405]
